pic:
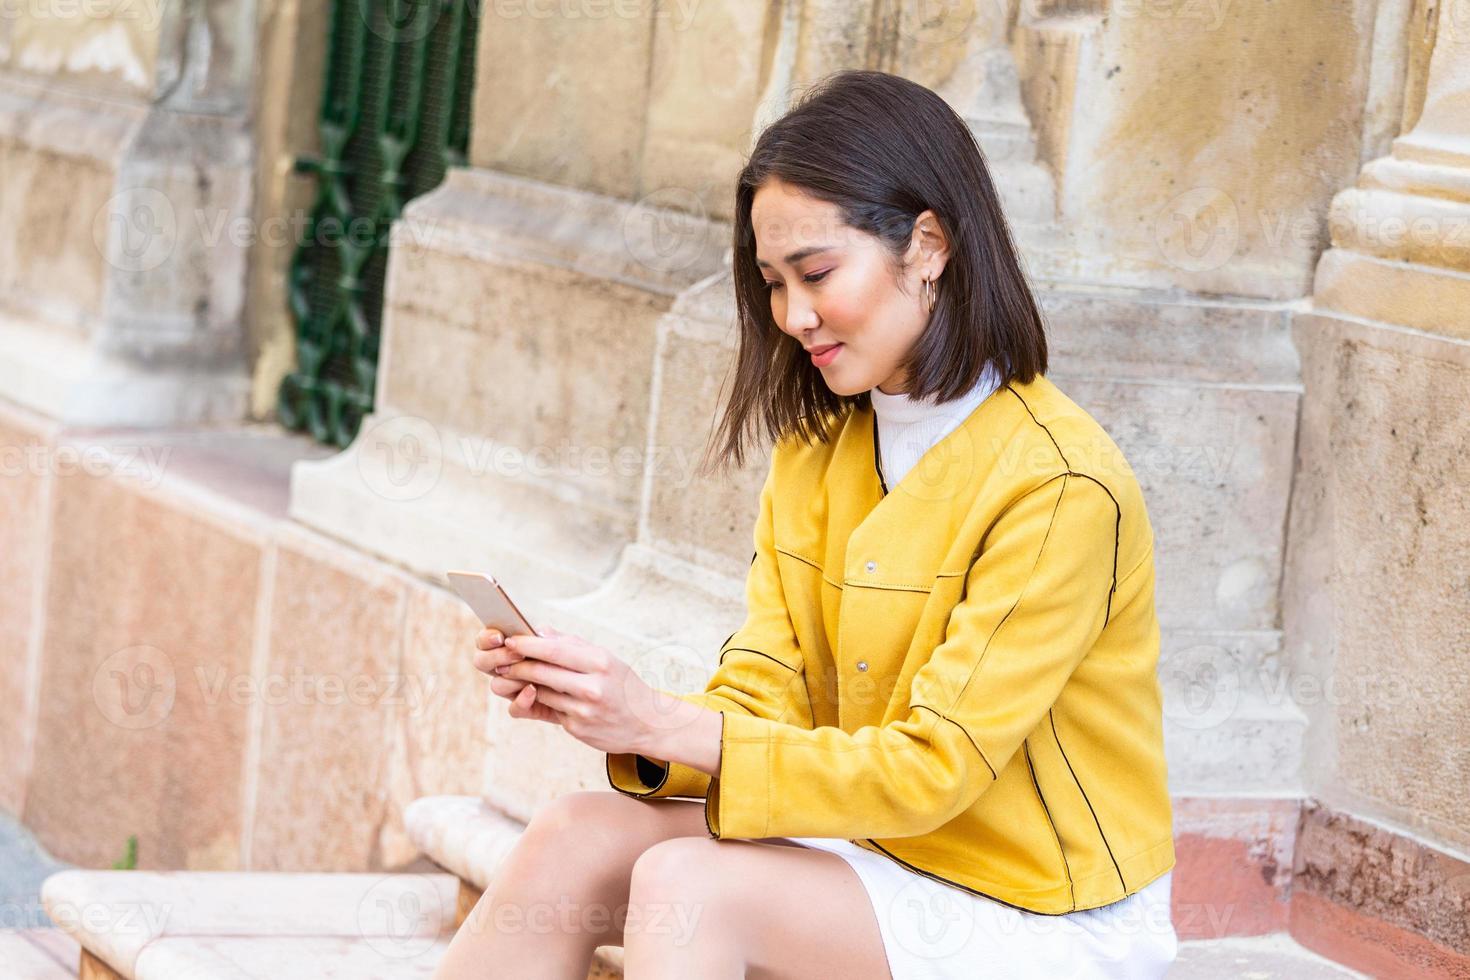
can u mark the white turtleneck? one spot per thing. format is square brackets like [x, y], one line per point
[907, 428]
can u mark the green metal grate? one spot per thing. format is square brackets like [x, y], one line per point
[395, 116]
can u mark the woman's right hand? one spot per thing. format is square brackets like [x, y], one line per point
[490, 653]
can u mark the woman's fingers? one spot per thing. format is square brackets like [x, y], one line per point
[563, 704]
[487, 660]
[488, 638]
[546, 675]
[506, 687]
[568, 652]
[525, 705]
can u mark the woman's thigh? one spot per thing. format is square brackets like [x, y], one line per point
[792, 911]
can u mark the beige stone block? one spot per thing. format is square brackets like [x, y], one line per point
[106, 47]
[25, 522]
[531, 763]
[59, 156]
[1155, 193]
[151, 603]
[331, 689]
[1387, 487]
[439, 738]
[490, 448]
[1215, 466]
[703, 91]
[512, 350]
[121, 281]
[563, 97]
[709, 519]
[1370, 288]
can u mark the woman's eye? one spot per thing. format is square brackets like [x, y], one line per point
[815, 277]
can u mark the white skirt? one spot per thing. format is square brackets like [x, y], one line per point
[934, 931]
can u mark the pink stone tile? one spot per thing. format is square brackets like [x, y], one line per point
[24, 444]
[1233, 869]
[151, 598]
[331, 696]
[439, 742]
[1373, 946]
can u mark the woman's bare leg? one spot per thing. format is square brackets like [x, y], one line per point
[727, 909]
[563, 889]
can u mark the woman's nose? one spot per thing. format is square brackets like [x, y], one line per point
[801, 318]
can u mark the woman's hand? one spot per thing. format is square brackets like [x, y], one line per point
[593, 694]
[490, 653]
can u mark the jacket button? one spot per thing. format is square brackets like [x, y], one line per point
[872, 566]
[862, 665]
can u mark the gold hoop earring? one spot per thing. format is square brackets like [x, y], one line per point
[930, 294]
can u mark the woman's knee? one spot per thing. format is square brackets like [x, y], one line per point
[678, 867]
[587, 821]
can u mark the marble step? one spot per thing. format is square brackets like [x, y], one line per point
[184, 925]
[242, 926]
[38, 954]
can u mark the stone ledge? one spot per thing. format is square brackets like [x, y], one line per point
[38, 954]
[165, 925]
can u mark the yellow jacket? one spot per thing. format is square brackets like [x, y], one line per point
[959, 673]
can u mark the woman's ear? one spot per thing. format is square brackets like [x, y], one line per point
[930, 245]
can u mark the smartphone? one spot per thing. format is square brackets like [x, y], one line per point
[490, 602]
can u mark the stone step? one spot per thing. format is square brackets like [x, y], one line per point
[171, 925]
[241, 926]
[1273, 957]
[38, 954]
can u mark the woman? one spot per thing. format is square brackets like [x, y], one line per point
[934, 748]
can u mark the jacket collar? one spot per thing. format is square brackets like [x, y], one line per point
[861, 511]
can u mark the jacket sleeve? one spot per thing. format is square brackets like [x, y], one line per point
[759, 674]
[1036, 599]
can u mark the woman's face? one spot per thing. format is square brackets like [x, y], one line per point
[830, 283]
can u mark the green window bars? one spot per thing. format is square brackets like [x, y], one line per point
[395, 116]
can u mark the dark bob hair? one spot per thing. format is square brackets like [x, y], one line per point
[883, 149]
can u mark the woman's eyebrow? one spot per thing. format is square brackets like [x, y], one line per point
[797, 255]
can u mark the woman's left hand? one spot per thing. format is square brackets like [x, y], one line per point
[601, 701]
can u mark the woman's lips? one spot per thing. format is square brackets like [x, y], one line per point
[821, 357]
